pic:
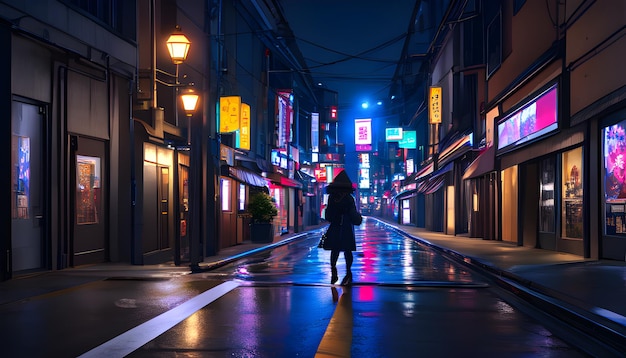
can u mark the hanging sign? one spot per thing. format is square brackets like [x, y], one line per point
[230, 108]
[434, 105]
[244, 128]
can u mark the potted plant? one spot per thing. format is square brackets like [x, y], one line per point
[262, 210]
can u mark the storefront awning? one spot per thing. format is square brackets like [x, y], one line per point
[410, 179]
[483, 164]
[432, 185]
[282, 180]
[246, 176]
[442, 171]
[425, 171]
[405, 194]
[455, 150]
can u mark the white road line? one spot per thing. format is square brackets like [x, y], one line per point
[135, 338]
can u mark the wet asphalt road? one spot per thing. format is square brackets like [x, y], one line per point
[407, 301]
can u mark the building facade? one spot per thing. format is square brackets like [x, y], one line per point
[104, 162]
[546, 167]
[67, 76]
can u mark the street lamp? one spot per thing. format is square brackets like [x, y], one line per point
[178, 46]
[190, 102]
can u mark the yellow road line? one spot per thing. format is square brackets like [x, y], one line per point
[337, 339]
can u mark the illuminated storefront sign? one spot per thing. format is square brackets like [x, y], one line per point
[363, 134]
[393, 134]
[315, 132]
[279, 158]
[320, 175]
[230, 108]
[409, 140]
[364, 160]
[410, 166]
[434, 105]
[534, 119]
[244, 128]
[284, 116]
[364, 178]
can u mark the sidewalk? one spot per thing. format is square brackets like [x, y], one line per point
[31, 285]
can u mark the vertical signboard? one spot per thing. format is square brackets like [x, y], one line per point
[230, 108]
[410, 166]
[363, 134]
[244, 127]
[284, 118]
[364, 171]
[434, 105]
[315, 132]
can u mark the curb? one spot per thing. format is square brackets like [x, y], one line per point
[205, 267]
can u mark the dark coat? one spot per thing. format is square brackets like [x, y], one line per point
[340, 234]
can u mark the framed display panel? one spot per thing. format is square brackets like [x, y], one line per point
[572, 194]
[535, 118]
[614, 173]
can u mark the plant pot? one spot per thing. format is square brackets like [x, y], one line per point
[261, 232]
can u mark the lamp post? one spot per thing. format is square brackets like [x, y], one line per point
[178, 46]
[190, 102]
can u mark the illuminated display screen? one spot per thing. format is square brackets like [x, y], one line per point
[614, 150]
[533, 120]
[363, 131]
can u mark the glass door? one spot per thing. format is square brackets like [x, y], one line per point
[28, 194]
[89, 219]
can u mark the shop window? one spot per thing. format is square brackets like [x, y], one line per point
[547, 218]
[572, 194]
[21, 177]
[242, 197]
[280, 221]
[517, 5]
[494, 45]
[226, 194]
[87, 190]
[614, 151]
[406, 212]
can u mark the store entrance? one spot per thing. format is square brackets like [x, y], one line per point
[546, 170]
[90, 219]
[28, 201]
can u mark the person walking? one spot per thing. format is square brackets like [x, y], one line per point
[342, 215]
